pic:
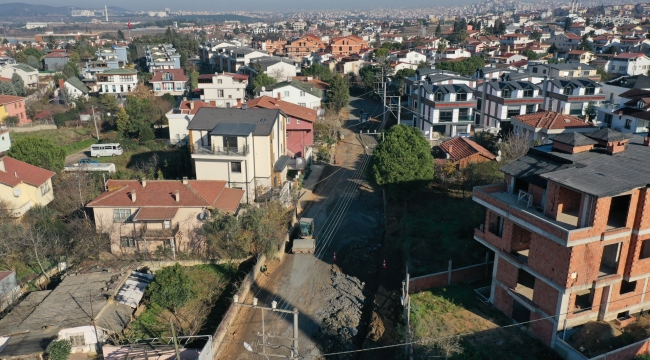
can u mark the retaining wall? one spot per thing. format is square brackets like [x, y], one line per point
[450, 277]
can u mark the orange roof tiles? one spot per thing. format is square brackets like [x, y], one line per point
[551, 120]
[297, 111]
[16, 171]
[6, 99]
[459, 148]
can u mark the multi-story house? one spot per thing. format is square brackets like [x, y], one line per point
[568, 70]
[300, 123]
[296, 92]
[408, 56]
[74, 89]
[162, 57]
[26, 72]
[565, 42]
[232, 58]
[5, 138]
[446, 109]
[279, 68]
[208, 50]
[244, 147]
[630, 64]
[505, 99]
[272, 47]
[631, 115]
[23, 186]
[346, 45]
[454, 53]
[514, 39]
[179, 117]
[13, 106]
[116, 52]
[580, 56]
[541, 127]
[55, 60]
[222, 89]
[572, 96]
[152, 215]
[304, 46]
[117, 81]
[614, 88]
[170, 81]
[569, 231]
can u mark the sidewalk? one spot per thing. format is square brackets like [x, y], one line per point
[306, 194]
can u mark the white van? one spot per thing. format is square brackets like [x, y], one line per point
[98, 150]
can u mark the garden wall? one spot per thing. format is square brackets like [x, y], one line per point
[450, 277]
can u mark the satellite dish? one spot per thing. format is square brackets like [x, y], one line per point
[263, 88]
[17, 192]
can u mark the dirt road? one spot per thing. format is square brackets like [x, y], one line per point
[74, 158]
[348, 217]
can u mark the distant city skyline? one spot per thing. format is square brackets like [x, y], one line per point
[250, 5]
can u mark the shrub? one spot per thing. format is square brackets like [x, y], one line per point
[171, 288]
[11, 120]
[59, 349]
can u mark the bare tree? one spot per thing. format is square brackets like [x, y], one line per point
[278, 75]
[514, 147]
[74, 190]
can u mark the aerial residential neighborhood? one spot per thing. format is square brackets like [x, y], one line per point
[254, 180]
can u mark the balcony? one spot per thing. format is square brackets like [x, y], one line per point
[147, 233]
[220, 150]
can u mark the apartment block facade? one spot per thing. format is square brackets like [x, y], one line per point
[570, 231]
[505, 99]
[222, 89]
[446, 109]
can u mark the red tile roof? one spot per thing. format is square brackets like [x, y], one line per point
[293, 110]
[463, 147]
[235, 76]
[4, 274]
[184, 106]
[179, 75]
[156, 213]
[57, 54]
[6, 99]
[17, 171]
[552, 121]
[628, 56]
[4, 79]
[162, 193]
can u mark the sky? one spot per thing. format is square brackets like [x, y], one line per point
[248, 5]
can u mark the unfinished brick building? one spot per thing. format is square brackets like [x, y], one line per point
[570, 229]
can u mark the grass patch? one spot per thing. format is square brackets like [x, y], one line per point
[150, 160]
[437, 228]
[62, 137]
[208, 284]
[455, 312]
[79, 145]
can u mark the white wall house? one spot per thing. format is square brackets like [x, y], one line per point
[245, 147]
[117, 81]
[408, 56]
[281, 69]
[631, 115]
[572, 96]
[445, 109]
[26, 72]
[179, 117]
[223, 89]
[295, 92]
[171, 81]
[630, 64]
[505, 99]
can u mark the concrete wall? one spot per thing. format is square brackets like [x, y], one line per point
[34, 128]
[456, 276]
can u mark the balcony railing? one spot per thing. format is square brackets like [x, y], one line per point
[243, 151]
[147, 233]
[466, 118]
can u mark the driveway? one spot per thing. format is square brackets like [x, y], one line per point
[74, 158]
[347, 211]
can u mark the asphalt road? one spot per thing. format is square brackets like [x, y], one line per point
[74, 158]
[345, 210]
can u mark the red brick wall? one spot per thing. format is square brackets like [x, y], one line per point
[458, 276]
[628, 352]
[585, 260]
[503, 301]
[542, 329]
[545, 297]
[428, 282]
[507, 274]
[499, 242]
[549, 259]
[537, 192]
[552, 196]
[620, 302]
[520, 238]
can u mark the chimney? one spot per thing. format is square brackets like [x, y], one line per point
[178, 196]
[244, 106]
[2, 165]
[185, 182]
[239, 103]
[144, 182]
[191, 104]
[133, 196]
[15, 173]
[451, 148]
[61, 84]
[278, 95]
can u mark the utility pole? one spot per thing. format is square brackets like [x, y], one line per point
[420, 86]
[95, 121]
[385, 107]
[178, 353]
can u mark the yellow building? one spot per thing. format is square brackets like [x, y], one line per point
[23, 186]
[3, 113]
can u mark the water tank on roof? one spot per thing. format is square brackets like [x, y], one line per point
[301, 163]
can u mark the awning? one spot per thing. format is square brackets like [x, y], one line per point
[281, 163]
[155, 213]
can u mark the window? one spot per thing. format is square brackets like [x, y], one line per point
[530, 109]
[114, 88]
[157, 87]
[45, 188]
[608, 119]
[567, 90]
[627, 287]
[286, 94]
[288, 120]
[302, 104]
[446, 116]
[302, 93]
[167, 224]
[440, 96]
[297, 121]
[235, 167]
[105, 88]
[127, 242]
[461, 96]
[77, 340]
[529, 92]
[496, 225]
[535, 70]
[590, 90]
[220, 93]
[121, 215]
[628, 123]
[179, 86]
[640, 104]
[514, 111]
[228, 105]
[121, 88]
[506, 93]
[219, 81]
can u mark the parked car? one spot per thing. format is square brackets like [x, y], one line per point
[98, 150]
[88, 161]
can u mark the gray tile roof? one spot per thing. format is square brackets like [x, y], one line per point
[594, 172]
[208, 118]
[446, 89]
[233, 129]
[282, 162]
[562, 83]
[570, 66]
[630, 82]
[574, 139]
[608, 135]
[304, 86]
[520, 85]
[78, 84]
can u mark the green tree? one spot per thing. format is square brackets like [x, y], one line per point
[319, 71]
[587, 22]
[611, 50]
[438, 31]
[367, 74]
[465, 67]
[31, 61]
[124, 123]
[59, 349]
[262, 79]
[108, 104]
[535, 35]
[51, 42]
[6, 88]
[381, 52]
[171, 288]
[442, 46]
[120, 35]
[70, 70]
[590, 111]
[338, 96]
[140, 111]
[236, 31]
[402, 161]
[5, 41]
[530, 54]
[146, 133]
[552, 49]
[41, 152]
[18, 84]
[11, 120]
[585, 44]
[567, 23]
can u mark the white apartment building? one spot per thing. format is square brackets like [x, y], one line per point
[162, 57]
[26, 72]
[505, 99]
[279, 68]
[245, 147]
[445, 109]
[179, 117]
[117, 81]
[630, 64]
[232, 58]
[296, 92]
[408, 56]
[222, 90]
[572, 96]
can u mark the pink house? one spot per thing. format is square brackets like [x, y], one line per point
[13, 106]
[300, 122]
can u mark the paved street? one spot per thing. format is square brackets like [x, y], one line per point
[345, 210]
